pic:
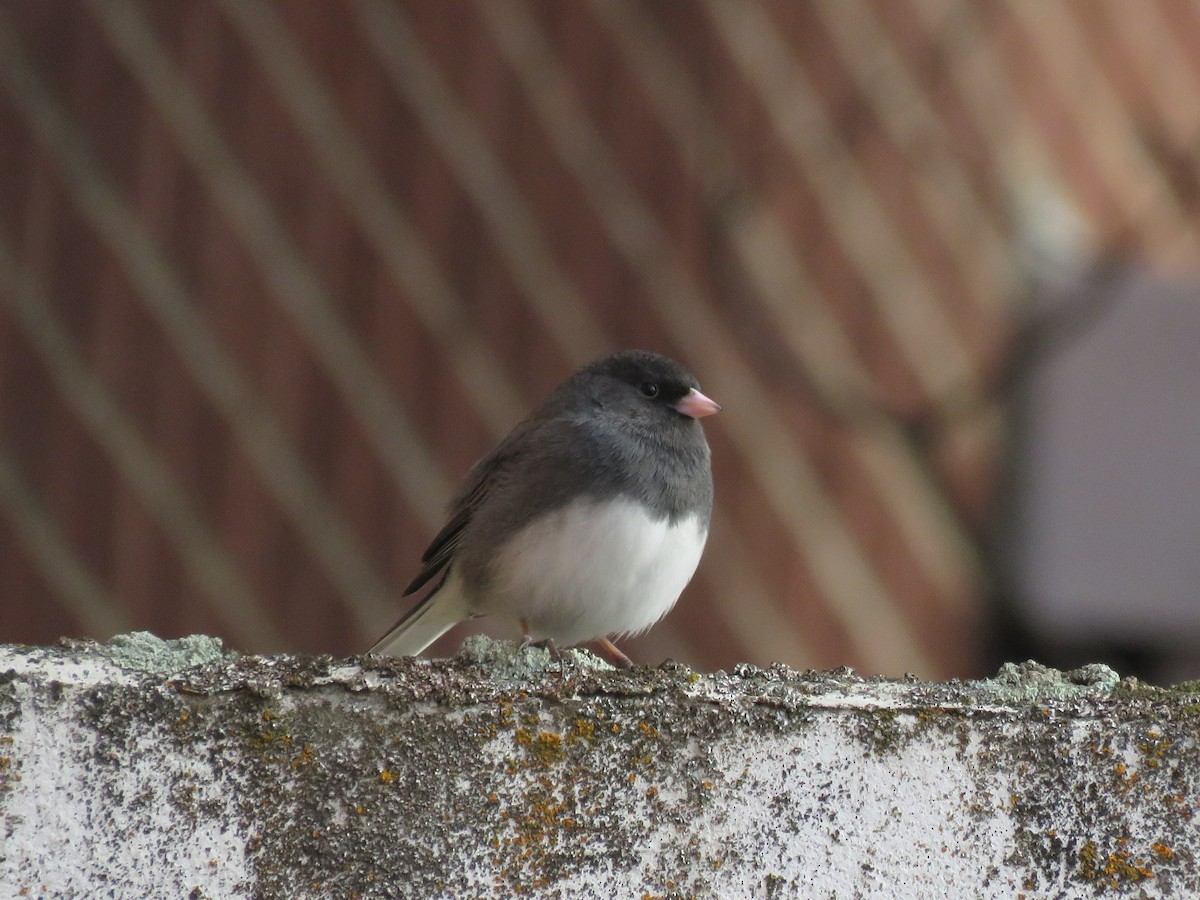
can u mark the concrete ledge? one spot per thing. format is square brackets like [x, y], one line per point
[144, 768]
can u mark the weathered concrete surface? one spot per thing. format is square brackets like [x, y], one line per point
[143, 769]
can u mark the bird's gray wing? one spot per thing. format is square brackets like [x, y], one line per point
[441, 549]
[480, 482]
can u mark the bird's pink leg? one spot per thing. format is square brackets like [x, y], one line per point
[622, 661]
[546, 644]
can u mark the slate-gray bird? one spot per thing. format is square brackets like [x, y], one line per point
[587, 521]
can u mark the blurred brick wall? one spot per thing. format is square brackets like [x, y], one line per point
[273, 274]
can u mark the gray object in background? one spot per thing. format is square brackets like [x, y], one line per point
[1103, 539]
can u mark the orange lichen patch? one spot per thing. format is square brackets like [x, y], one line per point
[545, 748]
[539, 827]
[1116, 868]
[1125, 780]
[1154, 749]
[647, 729]
[582, 730]
[304, 757]
[387, 776]
[1162, 851]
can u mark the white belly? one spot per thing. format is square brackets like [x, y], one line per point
[593, 569]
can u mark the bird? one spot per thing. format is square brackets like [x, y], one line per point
[587, 521]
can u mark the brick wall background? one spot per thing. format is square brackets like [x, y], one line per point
[272, 275]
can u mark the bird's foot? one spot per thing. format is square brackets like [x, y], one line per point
[620, 660]
[545, 644]
[555, 654]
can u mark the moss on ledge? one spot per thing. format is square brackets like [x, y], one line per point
[183, 770]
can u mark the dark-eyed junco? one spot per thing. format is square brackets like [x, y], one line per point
[588, 520]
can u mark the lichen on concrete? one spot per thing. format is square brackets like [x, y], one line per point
[494, 775]
[141, 651]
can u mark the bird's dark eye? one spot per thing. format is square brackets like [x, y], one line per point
[649, 389]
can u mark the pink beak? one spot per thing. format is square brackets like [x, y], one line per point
[696, 405]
